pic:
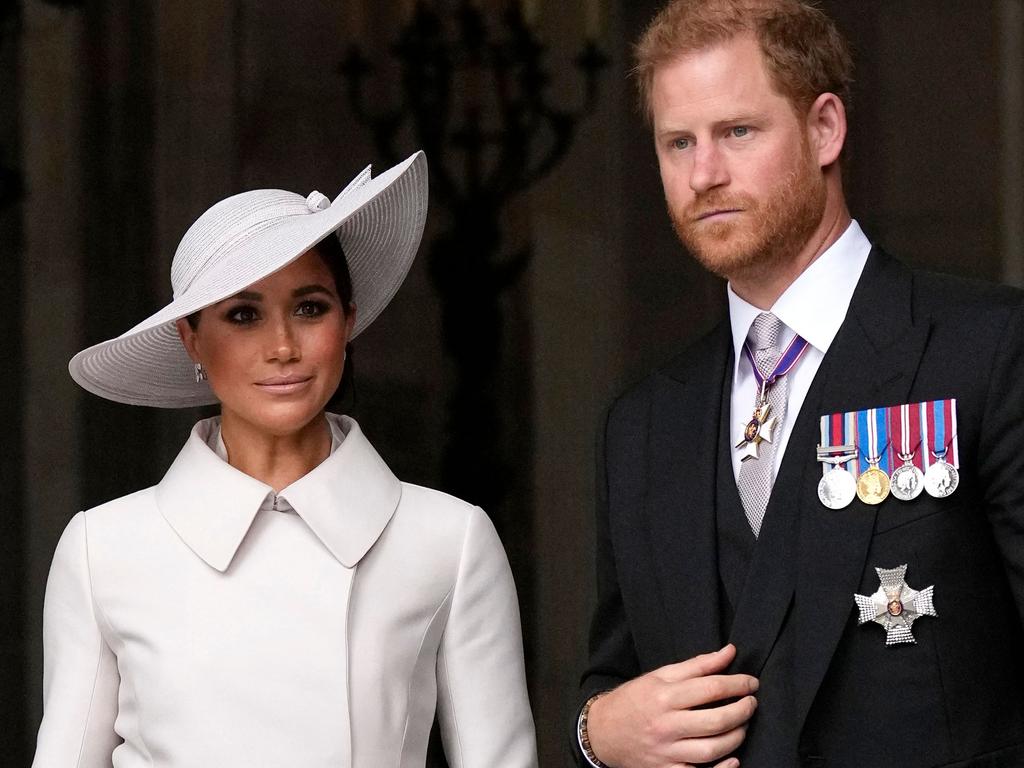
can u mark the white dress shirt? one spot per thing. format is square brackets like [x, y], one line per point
[814, 307]
[196, 624]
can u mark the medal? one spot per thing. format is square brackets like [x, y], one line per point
[873, 483]
[907, 481]
[761, 427]
[837, 488]
[942, 477]
[895, 606]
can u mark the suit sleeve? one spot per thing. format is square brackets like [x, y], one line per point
[80, 678]
[613, 658]
[483, 704]
[1001, 453]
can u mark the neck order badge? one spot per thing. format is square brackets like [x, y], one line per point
[762, 424]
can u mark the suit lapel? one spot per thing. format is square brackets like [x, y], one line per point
[770, 581]
[872, 362]
[680, 504]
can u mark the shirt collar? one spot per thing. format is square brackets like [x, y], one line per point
[815, 304]
[347, 500]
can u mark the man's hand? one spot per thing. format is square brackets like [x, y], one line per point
[650, 722]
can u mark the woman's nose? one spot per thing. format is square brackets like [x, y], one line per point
[283, 345]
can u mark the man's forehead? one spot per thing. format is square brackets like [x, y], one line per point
[728, 77]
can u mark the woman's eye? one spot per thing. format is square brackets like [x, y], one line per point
[311, 308]
[242, 315]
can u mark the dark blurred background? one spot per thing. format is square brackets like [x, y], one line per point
[120, 122]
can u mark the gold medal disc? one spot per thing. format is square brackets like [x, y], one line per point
[872, 486]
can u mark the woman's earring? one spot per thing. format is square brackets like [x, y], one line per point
[200, 373]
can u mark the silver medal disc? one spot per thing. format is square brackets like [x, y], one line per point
[907, 482]
[941, 479]
[837, 488]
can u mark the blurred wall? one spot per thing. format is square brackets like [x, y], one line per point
[129, 119]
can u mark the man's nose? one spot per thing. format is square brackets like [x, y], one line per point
[709, 169]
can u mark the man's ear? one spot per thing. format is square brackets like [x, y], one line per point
[188, 338]
[826, 128]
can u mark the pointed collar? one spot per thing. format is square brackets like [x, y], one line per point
[815, 305]
[347, 500]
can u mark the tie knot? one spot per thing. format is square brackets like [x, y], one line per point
[764, 331]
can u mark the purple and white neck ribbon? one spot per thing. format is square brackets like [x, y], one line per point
[784, 365]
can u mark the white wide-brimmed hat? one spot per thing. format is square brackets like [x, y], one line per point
[243, 239]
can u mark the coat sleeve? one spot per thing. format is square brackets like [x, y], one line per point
[483, 705]
[613, 658]
[80, 678]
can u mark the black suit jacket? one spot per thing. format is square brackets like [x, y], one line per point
[956, 697]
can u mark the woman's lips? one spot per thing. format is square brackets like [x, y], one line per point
[284, 385]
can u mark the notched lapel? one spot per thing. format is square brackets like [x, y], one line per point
[680, 503]
[872, 362]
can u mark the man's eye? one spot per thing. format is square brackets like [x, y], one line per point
[740, 131]
[680, 143]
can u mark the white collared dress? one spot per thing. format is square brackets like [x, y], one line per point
[207, 621]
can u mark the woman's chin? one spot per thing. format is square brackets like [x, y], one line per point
[277, 418]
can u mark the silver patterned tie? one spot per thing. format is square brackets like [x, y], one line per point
[757, 475]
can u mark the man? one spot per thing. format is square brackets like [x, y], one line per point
[862, 632]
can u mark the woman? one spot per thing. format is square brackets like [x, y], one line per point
[279, 598]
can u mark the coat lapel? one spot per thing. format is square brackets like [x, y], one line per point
[872, 362]
[768, 590]
[680, 504]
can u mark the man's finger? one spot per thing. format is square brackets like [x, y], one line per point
[698, 666]
[708, 750]
[698, 723]
[700, 691]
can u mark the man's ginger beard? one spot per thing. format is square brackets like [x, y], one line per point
[768, 233]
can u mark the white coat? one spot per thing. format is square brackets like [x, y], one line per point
[191, 624]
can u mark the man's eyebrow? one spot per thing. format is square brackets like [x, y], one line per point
[749, 117]
[738, 118]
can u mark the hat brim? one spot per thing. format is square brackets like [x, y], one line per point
[379, 222]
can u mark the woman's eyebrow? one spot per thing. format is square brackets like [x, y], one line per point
[248, 296]
[308, 289]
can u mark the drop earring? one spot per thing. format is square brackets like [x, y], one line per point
[200, 373]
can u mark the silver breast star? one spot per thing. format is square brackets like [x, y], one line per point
[895, 605]
[756, 431]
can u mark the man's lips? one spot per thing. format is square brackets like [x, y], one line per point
[716, 212]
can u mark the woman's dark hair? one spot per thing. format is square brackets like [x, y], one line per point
[333, 254]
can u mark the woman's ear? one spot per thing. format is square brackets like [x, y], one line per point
[188, 338]
[350, 320]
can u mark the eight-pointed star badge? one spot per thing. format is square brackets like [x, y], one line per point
[895, 605]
